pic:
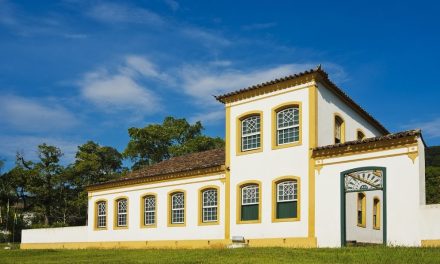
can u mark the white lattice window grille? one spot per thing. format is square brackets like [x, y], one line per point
[178, 208]
[122, 212]
[250, 195]
[149, 210]
[250, 133]
[288, 125]
[287, 191]
[102, 218]
[209, 206]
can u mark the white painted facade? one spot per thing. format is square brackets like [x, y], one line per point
[409, 220]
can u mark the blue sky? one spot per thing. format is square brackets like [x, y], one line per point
[72, 71]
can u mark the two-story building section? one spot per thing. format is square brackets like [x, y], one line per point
[303, 166]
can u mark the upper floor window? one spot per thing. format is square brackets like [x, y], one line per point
[178, 208]
[101, 214]
[149, 210]
[121, 209]
[339, 130]
[250, 133]
[360, 135]
[209, 206]
[287, 125]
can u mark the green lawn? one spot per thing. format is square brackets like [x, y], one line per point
[362, 255]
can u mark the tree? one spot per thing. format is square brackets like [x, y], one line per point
[46, 181]
[174, 137]
[432, 185]
[95, 164]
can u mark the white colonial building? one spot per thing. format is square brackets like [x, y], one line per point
[303, 166]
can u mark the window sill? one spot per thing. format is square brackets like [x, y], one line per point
[177, 225]
[281, 220]
[362, 225]
[241, 222]
[149, 226]
[120, 227]
[289, 145]
[208, 223]
[240, 153]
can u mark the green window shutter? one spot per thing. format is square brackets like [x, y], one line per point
[249, 212]
[287, 209]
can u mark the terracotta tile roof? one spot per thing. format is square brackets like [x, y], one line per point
[408, 133]
[194, 161]
[323, 77]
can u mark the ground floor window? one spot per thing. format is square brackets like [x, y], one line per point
[250, 202]
[376, 213]
[178, 208]
[361, 204]
[287, 199]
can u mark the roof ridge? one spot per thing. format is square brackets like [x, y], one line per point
[325, 80]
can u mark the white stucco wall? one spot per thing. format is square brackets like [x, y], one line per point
[190, 231]
[55, 235]
[270, 164]
[365, 234]
[403, 200]
[328, 105]
[430, 222]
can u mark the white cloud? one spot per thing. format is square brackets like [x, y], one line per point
[429, 128]
[34, 115]
[205, 37]
[209, 117]
[116, 13]
[202, 82]
[122, 90]
[27, 145]
[258, 26]
[174, 5]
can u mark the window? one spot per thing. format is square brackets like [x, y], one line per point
[250, 133]
[339, 130]
[149, 204]
[209, 206]
[286, 198]
[121, 210]
[287, 125]
[361, 204]
[178, 208]
[101, 214]
[250, 202]
[376, 213]
[360, 135]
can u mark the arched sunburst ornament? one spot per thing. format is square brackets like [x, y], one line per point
[364, 180]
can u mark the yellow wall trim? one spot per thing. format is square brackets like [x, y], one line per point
[299, 242]
[228, 173]
[431, 243]
[313, 142]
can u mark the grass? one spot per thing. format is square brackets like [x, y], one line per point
[364, 255]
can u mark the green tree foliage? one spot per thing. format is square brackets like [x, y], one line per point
[432, 185]
[95, 164]
[433, 156]
[432, 175]
[174, 137]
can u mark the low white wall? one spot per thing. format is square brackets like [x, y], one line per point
[55, 235]
[430, 222]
